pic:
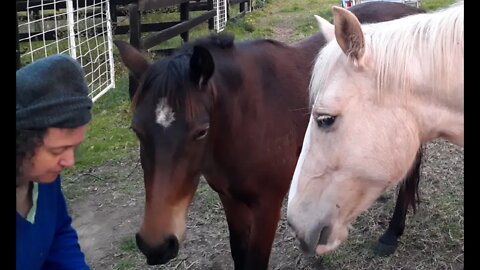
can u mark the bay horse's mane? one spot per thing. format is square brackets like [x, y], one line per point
[228, 110]
[170, 75]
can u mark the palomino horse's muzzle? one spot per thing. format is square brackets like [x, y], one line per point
[160, 254]
[308, 240]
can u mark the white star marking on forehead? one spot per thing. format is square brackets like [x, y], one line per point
[164, 113]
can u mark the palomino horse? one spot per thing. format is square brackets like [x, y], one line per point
[234, 112]
[379, 91]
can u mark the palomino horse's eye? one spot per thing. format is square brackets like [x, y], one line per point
[325, 120]
[201, 134]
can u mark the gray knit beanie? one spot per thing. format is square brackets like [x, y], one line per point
[52, 92]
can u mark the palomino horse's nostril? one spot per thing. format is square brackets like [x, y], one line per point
[324, 234]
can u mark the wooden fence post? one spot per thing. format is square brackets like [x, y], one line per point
[184, 16]
[135, 36]
[210, 21]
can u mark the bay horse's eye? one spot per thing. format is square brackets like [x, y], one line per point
[325, 120]
[201, 134]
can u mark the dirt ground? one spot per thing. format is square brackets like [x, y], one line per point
[110, 209]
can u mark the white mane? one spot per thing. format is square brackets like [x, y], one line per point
[432, 43]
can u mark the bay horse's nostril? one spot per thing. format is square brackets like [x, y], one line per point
[172, 244]
[160, 254]
[142, 246]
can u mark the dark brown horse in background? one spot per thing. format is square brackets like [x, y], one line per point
[235, 112]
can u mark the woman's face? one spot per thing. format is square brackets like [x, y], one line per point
[55, 154]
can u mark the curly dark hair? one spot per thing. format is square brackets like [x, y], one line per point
[27, 142]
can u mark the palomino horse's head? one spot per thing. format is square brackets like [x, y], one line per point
[171, 117]
[378, 92]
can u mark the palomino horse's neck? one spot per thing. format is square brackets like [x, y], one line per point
[439, 118]
[424, 63]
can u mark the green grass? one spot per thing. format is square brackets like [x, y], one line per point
[248, 28]
[128, 255]
[125, 264]
[431, 5]
[109, 136]
[293, 8]
[210, 200]
[128, 244]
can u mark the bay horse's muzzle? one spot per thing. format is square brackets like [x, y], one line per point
[160, 254]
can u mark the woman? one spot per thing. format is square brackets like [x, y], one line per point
[52, 113]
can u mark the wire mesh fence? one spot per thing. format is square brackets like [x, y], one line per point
[80, 28]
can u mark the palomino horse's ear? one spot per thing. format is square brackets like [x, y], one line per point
[201, 65]
[327, 29]
[133, 59]
[348, 33]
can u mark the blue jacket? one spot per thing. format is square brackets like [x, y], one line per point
[51, 242]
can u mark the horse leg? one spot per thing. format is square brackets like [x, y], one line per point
[407, 195]
[388, 242]
[265, 221]
[239, 219]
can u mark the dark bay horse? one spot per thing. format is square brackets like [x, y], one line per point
[235, 112]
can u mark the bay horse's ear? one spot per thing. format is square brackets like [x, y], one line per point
[327, 29]
[132, 58]
[201, 65]
[348, 33]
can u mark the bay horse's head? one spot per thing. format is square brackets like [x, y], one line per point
[171, 118]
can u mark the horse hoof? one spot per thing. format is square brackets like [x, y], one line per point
[384, 250]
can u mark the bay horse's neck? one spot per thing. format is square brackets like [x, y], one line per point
[311, 46]
[260, 91]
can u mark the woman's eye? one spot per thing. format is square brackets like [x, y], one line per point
[59, 150]
[201, 134]
[56, 152]
[325, 120]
